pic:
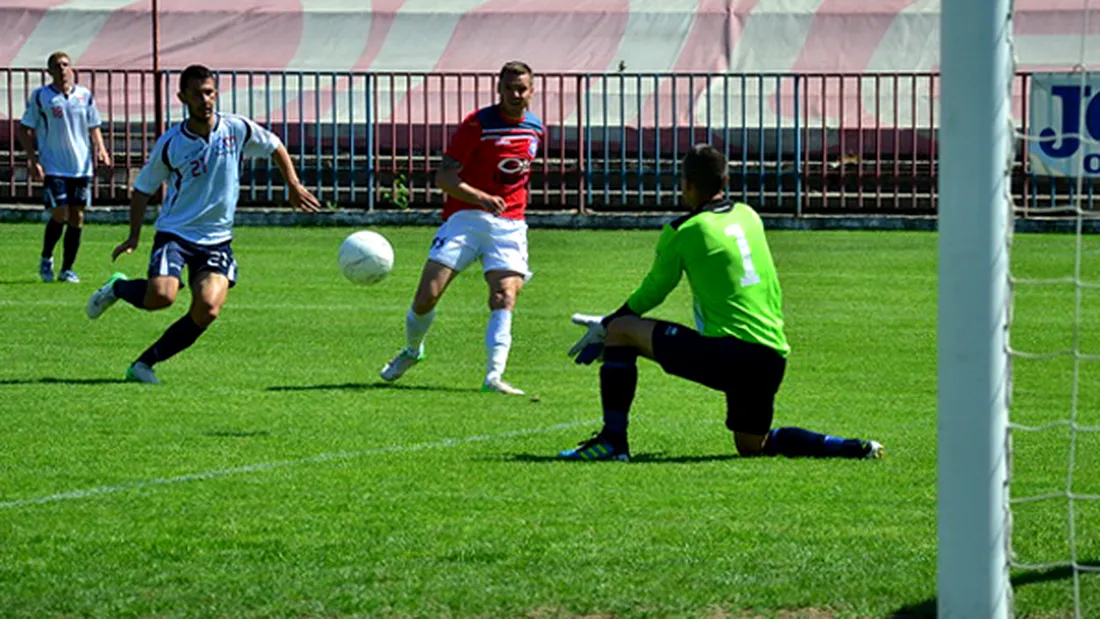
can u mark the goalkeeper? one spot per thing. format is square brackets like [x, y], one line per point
[739, 349]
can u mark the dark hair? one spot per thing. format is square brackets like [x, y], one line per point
[515, 67]
[55, 58]
[194, 72]
[705, 167]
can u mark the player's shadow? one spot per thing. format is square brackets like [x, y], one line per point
[370, 387]
[19, 282]
[927, 609]
[642, 458]
[52, 380]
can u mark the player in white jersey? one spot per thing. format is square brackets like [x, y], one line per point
[200, 159]
[58, 131]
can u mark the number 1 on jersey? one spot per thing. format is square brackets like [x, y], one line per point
[751, 277]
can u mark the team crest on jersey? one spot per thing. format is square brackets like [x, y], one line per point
[57, 111]
[227, 144]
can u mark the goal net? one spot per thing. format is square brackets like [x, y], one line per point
[1019, 320]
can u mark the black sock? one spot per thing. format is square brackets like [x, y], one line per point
[72, 245]
[618, 382]
[131, 291]
[178, 337]
[53, 235]
[798, 442]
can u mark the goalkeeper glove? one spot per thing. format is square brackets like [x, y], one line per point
[590, 347]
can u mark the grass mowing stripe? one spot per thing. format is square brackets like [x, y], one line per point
[501, 528]
[268, 466]
[300, 307]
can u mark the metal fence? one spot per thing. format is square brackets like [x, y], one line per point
[797, 144]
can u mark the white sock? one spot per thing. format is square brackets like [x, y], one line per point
[498, 341]
[416, 327]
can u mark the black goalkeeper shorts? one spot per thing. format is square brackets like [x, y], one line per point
[749, 374]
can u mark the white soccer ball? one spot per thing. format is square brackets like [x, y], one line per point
[366, 257]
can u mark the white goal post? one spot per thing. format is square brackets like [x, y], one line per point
[974, 214]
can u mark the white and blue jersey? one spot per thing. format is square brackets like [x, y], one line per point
[61, 123]
[203, 176]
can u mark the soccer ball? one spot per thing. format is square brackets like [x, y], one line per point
[366, 257]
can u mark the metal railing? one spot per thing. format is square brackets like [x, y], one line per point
[797, 144]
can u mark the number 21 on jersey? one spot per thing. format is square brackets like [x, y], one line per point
[198, 167]
[750, 277]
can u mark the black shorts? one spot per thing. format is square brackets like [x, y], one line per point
[749, 374]
[66, 191]
[171, 253]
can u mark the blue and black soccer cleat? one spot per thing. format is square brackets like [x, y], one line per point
[599, 447]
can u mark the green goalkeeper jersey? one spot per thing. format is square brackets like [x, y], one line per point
[729, 266]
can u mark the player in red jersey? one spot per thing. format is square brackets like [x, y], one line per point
[485, 173]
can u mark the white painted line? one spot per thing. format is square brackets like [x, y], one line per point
[268, 466]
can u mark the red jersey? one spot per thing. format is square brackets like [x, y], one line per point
[496, 155]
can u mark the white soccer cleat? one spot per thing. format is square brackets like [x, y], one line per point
[45, 270]
[400, 364]
[142, 373]
[496, 385]
[68, 276]
[103, 298]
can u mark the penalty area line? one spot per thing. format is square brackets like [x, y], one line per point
[74, 495]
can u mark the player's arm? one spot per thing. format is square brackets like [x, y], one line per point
[449, 179]
[27, 126]
[149, 180]
[27, 140]
[94, 123]
[139, 201]
[300, 197]
[260, 142]
[663, 277]
[101, 154]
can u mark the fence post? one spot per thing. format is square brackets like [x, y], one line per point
[369, 120]
[798, 146]
[582, 164]
[158, 94]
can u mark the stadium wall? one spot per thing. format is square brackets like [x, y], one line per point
[822, 104]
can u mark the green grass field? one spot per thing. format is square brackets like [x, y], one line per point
[272, 475]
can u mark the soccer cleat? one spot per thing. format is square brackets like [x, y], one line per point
[68, 276]
[141, 373]
[103, 298]
[497, 385]
[400, 364]
[597, 448]
[873, 450]
[45, 269]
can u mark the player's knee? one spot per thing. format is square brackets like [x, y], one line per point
[424, 303]
[205, 314]
[159, 298]
[620, 331]
[155, 300]
[60, 214]
[76, 217]
[502, 299]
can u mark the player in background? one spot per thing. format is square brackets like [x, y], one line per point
[485, 174]
[58, 131]
[740, 347]
[201, 159]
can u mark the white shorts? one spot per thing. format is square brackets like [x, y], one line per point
[467, 235]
